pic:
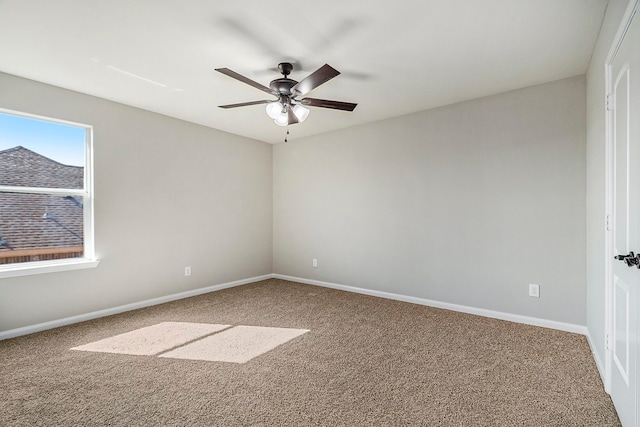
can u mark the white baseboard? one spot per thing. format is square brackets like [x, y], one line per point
[12, 333]
[568, 327]
[551, 324]
[596, 358]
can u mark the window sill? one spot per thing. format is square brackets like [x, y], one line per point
[13, 270]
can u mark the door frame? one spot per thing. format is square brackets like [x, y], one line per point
[632, 8]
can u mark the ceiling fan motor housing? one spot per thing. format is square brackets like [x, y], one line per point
[283, 86]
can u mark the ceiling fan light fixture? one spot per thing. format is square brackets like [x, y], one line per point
[301, 112]
[274, 109]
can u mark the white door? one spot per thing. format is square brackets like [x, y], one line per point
[624, 104]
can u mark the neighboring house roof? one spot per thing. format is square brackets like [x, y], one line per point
[22, 167]
[29, 221]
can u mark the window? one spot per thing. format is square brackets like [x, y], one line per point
[46, 200]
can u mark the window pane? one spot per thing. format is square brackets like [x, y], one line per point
[39, 153]
[38, 227]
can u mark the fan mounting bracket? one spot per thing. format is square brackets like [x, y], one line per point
[285, 68]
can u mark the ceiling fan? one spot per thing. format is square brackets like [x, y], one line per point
[287, 109]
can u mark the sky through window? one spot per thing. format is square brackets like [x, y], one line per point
[60, 142]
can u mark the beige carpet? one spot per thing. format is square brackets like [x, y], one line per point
[364, 362]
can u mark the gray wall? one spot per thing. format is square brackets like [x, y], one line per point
[167, 194]
[465, 204]
[596, 200]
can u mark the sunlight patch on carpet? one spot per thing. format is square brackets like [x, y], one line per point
[154, 339]
[196, 341]
[238, 344]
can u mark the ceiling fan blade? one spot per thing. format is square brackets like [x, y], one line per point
[315, 79]
[243, 79]
[326, 103]
[292, 117]
[244, 104]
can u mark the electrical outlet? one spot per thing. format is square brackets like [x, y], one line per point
[314, 262]
[534, 290]
[187, 271]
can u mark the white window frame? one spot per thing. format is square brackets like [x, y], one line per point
[88, 260]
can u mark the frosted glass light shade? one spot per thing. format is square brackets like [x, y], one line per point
[301, 112]
[282, 119]
[273, 109]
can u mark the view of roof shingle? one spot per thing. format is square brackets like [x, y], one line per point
[22, 167]
[32, 221]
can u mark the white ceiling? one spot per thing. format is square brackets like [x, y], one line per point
[397, 57]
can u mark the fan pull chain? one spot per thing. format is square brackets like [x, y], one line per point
[285, 138]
